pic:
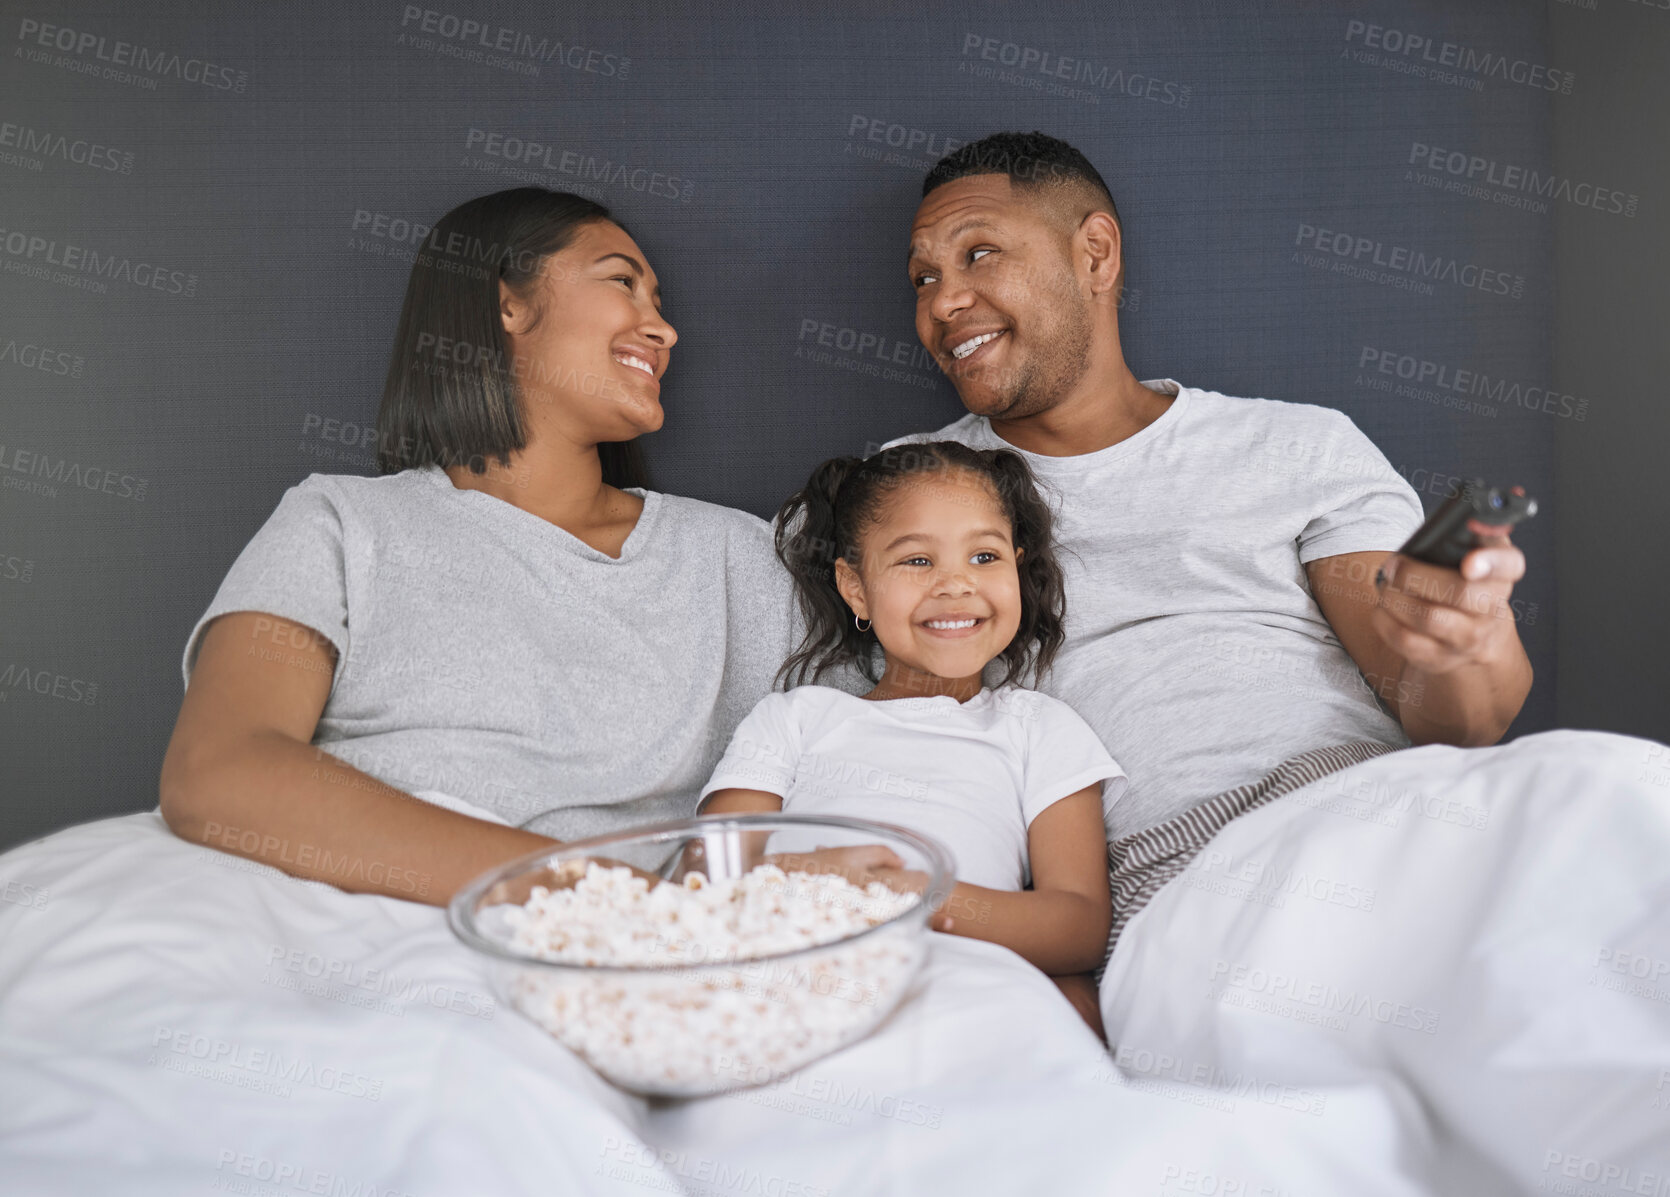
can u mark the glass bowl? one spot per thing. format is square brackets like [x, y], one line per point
[698, 1023]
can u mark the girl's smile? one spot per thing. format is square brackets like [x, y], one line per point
[938, 583]
[954, 625]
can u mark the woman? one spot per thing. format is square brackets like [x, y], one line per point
[507, 615]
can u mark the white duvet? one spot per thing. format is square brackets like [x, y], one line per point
[1439, 971]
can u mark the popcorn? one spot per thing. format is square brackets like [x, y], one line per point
[717, 1012]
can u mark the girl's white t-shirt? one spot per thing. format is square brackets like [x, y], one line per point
[972, 775]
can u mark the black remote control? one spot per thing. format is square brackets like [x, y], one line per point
[1449, 533]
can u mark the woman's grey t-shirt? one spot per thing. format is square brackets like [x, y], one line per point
[487, 653]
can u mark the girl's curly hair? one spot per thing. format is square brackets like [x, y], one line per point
[828, 517]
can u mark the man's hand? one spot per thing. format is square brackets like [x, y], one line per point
[1438, 619]
[1440, 647]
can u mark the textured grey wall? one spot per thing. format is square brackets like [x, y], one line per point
[1612, 526]
[207, 213]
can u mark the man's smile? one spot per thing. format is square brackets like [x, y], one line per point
[969, 345]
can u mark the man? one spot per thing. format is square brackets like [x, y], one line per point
[1224, 618]
[1231, 603]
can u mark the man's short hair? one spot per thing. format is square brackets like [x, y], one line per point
[1030, 160]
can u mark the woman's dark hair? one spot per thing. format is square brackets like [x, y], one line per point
[451, 396]
[829, 516]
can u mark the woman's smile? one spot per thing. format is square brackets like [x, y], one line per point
[639, 360]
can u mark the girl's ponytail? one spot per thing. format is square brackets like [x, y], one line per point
[808, 542]
[1043, 628]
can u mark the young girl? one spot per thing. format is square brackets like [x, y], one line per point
[942, 555]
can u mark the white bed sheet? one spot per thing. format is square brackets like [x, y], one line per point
[1487, 930]
[177, 1020]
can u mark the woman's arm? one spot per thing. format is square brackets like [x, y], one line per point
[241, 775]
[853, 862]
[1061, 924]
[740, 802]
[733, 802]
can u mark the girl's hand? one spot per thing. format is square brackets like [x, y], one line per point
[911, 881]
[1080, 990]
[560, 875]
[863, 863]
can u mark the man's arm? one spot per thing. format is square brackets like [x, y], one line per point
[1439, 646]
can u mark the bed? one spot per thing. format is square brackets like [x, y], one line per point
[1437, 971]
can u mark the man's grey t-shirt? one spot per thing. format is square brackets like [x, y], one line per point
[1194, 645]
[487, 653]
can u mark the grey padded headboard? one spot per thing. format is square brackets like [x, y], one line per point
[208, 212]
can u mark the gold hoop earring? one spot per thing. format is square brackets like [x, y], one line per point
[862, 627]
